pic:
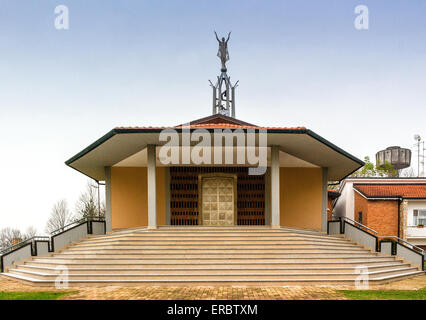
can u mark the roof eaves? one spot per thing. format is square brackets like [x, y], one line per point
[335, 148]
[92, 146]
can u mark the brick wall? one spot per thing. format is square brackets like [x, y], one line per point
[380, 215]
[361, 205]
[330, 208]
[383, 216]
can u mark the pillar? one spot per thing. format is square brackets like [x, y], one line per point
[108, 218]
[275, 186]
[152, 192]
[324, 215]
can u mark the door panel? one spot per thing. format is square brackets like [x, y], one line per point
[218, 201]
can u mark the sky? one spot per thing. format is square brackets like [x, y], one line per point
[139, 63]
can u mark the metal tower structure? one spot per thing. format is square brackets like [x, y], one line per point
[420, 155]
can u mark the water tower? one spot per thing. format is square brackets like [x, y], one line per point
[398, 157]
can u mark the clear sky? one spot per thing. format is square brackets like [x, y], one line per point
[133, 62]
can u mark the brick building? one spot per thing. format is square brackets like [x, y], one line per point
[391, 206]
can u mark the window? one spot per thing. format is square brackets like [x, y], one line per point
[419, 217]
[360, 217]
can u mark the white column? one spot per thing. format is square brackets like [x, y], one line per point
[108, 218]
[152, 192]
[275, 186]
[324, 216]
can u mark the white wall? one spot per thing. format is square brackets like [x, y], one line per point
[415, 235]
[344, 206]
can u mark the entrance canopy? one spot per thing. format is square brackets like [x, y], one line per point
[299, 147]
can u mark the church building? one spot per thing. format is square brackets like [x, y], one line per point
[211, 183]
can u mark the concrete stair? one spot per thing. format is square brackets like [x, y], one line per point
[182, 256]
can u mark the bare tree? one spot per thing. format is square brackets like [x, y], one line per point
[59, 217]
[408, 172]
[9, 237]
[89, 204]
[30, 232]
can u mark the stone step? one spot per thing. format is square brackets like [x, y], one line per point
[162, 259]
[212, 254]
[203, 264]
[213, 269]
[224, 244]
[219, 282]
[207, 239]
[209, 276]
[205, 251]
[211, 242]
[214, 235]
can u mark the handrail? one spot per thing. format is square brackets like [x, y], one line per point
[66, 227]
[360, 224]
[53, 233]
[21, 243]
[405, 241]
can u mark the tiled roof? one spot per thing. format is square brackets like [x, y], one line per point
[216, 121]
[413, 191]
[216, 126]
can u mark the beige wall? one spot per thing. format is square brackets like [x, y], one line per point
[301, 197]
[129, 208]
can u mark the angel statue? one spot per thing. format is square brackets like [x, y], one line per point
[223, 53]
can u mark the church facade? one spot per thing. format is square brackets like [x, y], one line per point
[145, 188]
[215, 171]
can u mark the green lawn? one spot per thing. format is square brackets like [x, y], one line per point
[31, 295]
[385, 294]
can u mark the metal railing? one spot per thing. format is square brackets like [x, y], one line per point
[387, 237]
[360, 224]
[24, 242]
[413, 246]
[53, 233]
[75, 223]
[50, 240]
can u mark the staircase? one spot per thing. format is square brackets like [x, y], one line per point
[212, 256]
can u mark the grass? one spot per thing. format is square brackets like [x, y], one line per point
[32, 295]
[385, 294]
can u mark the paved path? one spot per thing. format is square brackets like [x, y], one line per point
[209, 293]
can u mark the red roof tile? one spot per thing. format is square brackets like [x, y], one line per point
[392, 190]
[216, 121]
[216, 126]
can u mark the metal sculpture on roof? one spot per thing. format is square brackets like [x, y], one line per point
[222, 52]
[223, 90]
